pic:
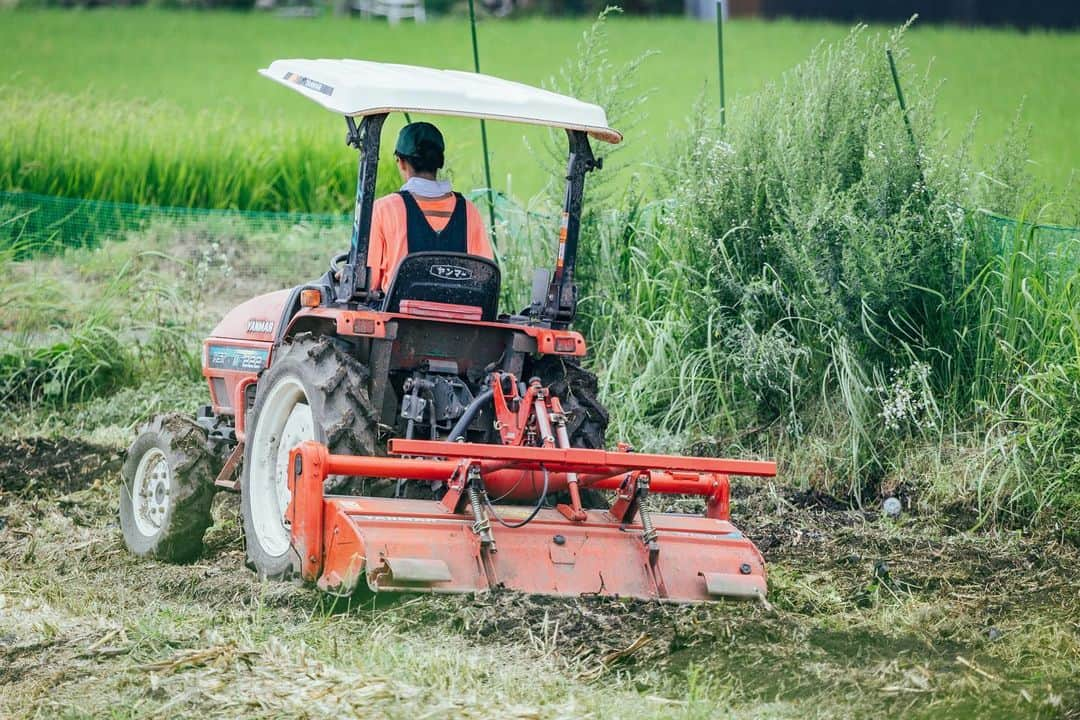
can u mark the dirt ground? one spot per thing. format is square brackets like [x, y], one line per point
[913, 617]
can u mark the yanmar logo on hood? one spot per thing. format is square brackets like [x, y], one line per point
[260, 326]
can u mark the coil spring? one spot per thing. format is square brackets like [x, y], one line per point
[476, 503]
[481, 525]
[648, 535]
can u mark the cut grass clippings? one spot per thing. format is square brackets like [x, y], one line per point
[867, 616]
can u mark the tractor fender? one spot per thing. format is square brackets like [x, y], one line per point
[306, 321]
[239, 349]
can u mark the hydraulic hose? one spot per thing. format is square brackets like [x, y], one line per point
[462, 425]
[529, 519]
[458, 433]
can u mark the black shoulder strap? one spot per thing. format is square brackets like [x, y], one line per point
[422, 238]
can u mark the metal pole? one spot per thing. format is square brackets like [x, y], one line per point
[483, 126]
[900, 96]
[904, 112]
[720, 56]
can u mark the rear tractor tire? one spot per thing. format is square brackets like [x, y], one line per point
[167, 489]
[577, 390]
[314, 390]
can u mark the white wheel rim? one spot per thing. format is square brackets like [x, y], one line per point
[150, 492]
[284, 422]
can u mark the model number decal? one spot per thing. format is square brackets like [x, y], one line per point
[451, 272]
[309, 83]
[260, 326]
[230, 357]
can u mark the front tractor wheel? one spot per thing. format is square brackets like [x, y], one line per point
[314, 390]
[167, 489]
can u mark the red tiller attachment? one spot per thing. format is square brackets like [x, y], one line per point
[453, 545]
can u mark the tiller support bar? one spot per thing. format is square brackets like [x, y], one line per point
[453, 545]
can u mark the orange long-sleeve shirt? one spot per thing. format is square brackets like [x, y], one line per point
[389, 237]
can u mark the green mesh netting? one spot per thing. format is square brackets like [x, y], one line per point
[1056, 242]
[31, 224]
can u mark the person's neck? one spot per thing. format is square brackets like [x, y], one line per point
[422, 176]
[425, 187]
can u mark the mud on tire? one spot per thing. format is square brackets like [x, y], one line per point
[166, 490]
[319, 373]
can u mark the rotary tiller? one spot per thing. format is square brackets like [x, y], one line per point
[464, 542]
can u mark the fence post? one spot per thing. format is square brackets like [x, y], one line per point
[720, 57]
[483, 126]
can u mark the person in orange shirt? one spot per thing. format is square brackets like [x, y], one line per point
[425, 215]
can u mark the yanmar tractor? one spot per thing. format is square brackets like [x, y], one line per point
[420, 439]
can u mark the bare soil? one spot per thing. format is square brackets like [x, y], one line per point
[44, 467]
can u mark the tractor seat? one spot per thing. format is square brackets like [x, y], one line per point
[449, 285]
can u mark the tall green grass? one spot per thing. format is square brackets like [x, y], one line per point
[182, 88]
[141, 152]
[87, 361]
[1018, 336]
[812, 287]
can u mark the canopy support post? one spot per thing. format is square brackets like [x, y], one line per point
[561, 304]
[355, 277]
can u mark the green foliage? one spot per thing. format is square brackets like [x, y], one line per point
[590, 74]
[812, 288]
[91, 362]
[1016, 367]
[135, 152]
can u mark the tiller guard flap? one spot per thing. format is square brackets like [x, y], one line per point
[453, 544]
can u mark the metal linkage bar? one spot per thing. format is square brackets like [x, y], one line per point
[582, 460]
[505, 472]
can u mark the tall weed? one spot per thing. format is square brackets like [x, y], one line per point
[814, 286]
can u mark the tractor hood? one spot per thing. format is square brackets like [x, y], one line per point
[357, 87]
[257, 319]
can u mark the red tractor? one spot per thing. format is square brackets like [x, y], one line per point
[418, 439]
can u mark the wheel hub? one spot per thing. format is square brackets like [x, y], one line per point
[150, 494]
[284, 422]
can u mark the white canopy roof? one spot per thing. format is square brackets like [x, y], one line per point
[359, 87]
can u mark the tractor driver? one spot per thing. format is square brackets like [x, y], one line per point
[425, 215]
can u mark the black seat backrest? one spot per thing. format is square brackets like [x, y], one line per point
[446, 277]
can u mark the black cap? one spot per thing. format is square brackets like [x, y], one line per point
[416, 134]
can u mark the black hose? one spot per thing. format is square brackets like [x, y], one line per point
[526, 521]
[462, 425]
[458, 433]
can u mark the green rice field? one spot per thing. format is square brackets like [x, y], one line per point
[86, 92]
